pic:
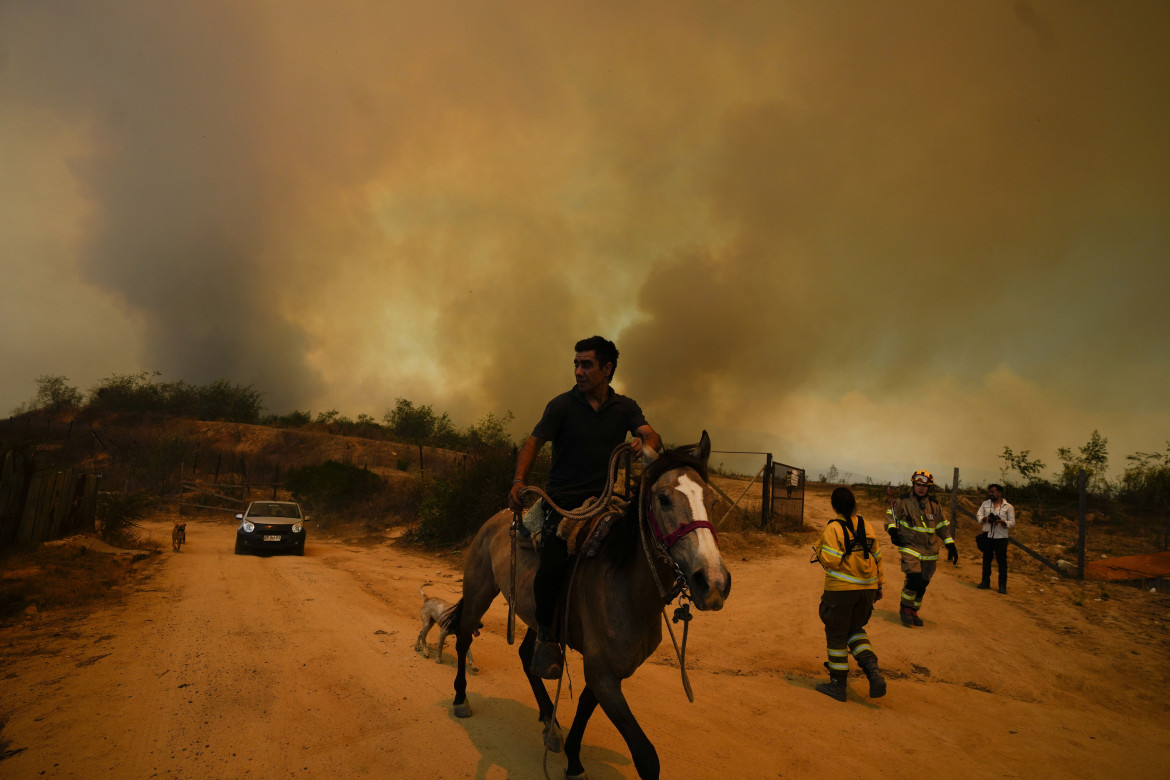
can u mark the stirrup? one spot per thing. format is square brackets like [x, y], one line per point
[546, 660]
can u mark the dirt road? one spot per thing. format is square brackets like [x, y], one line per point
[225, 666]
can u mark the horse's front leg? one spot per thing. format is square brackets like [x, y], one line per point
[608, 691]
[552, 732]
[462, 647]
[586, 703]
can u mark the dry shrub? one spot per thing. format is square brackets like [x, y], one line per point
[58, 576]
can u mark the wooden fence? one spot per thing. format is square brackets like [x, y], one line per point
[1078, 572]
[221, 497]
[39, 505]
[779, 496]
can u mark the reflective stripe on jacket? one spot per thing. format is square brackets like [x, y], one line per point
[923, 527]
[852, 571]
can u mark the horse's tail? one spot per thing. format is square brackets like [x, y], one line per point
[449, 620]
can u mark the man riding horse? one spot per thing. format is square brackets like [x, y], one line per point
[584, 425]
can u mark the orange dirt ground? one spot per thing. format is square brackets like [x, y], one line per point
[218, 665]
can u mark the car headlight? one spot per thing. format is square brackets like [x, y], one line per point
[249, 527]
[298, 527]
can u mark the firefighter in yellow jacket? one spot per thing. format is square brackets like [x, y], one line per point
[852, 561]
[919, 529]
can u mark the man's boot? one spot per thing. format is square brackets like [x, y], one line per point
[914, 617]
[877, 683]
[546, 657]
[835, 687]
[985, 585]
[1003, 586]
[907, 615]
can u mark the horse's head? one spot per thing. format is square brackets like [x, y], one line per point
[677, 496]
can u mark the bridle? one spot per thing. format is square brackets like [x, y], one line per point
[671, 539]
[665, 541]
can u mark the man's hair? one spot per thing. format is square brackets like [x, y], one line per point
[843, 501]
[605, 350]
[994, 486]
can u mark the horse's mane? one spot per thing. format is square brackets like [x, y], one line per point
[623, 539]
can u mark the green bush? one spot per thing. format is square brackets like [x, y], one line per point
[419, 424]
[1146, 481]
[455, 507]
[333, 484]
[294, 419]
[119, 514]
[219, 400]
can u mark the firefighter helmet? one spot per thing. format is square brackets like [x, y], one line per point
[922, 478]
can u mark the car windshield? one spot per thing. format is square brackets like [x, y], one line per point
[274, 510]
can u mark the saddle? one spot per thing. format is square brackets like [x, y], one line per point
[582, 536]
[586, 535]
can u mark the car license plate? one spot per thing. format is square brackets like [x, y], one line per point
[275, 538]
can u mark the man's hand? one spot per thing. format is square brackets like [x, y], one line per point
[877, 596]
[636, 447]
[895, 538]
[953, 553]
[514, 496]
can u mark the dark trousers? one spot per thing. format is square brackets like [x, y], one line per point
[554, 555]
[845, 613]
[914, 589]
[998, 549]
[554, 566]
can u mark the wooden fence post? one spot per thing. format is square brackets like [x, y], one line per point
[955, 503]
[766, 493]
[1081, 526]
[28, 518]
[89, 501]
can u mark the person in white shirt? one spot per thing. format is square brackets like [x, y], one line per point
[998, 518]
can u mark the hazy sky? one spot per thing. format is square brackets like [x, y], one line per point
[885, 236]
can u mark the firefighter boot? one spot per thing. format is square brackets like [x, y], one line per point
[877, 683]
[914, 617]
[546, 657]
[835, 687]
[907, 616]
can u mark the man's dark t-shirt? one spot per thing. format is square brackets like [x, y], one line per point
[583, 440]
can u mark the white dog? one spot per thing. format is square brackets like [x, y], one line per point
[431, 614]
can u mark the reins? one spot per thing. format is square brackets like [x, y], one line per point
[683, 610]
[581, 514]
[664, 542]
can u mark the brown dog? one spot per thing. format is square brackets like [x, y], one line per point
[178, 535]
[431, 614]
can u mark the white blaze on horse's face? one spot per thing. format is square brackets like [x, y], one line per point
[689, 487]
[697, 553]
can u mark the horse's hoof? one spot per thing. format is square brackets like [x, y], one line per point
[463, 710]
[473, 669]
[553, 741]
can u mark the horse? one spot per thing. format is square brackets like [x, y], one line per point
[615, 598]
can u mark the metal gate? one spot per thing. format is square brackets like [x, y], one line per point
[786, 486]
[779, 501]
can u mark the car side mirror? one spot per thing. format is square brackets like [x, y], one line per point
[239, 517]
[306, 518]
